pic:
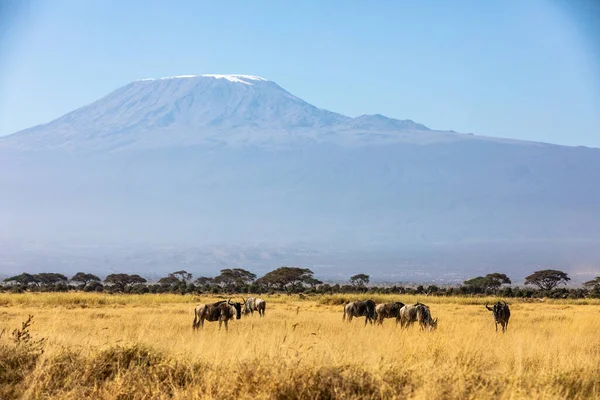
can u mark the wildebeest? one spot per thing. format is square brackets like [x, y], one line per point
[501, 313]
[347, 308]
[388, 310]
[260, 306]
[251, 304]
[248, 305]
[221, 311]
[361, 309]
[417, 312]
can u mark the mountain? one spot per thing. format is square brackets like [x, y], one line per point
[236, 160]
[213, 110]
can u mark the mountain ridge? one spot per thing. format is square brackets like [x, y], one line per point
[223, 109]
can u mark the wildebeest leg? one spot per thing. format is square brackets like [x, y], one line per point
[226, 326]
[349, 317]
[220, 323]
[496, 323]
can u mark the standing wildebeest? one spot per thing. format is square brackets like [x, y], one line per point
[260, 306]
[361, 309]
[248, 305]
[251, 304]
[501, 314]
[388, 310]
[417, 312]
[221, 311]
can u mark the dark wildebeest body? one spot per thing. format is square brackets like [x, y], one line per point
[361, 309]
[221, 311]
[388, 310]
[251, 304]
[417, 312]
[501, 314]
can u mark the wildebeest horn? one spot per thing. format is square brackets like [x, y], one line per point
[229, 301]
[243, 301]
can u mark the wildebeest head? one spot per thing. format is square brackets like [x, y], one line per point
[497, 309]
[433, 324]
[238, 308]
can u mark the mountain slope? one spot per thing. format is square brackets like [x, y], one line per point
[235, 159]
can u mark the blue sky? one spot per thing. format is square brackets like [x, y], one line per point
[520, 69]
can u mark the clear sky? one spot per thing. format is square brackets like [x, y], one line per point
[520, 69]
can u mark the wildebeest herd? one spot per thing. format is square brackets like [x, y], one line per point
[405, 315]
[223, 311]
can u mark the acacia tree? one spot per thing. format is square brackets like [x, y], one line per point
[84, 279]
[312, 282]
[490, 281]
[359, 280]
[50, 278]
[169, 280]
[22, 279]
[234, 278]
[203, 280]
[495, 280]
[287, 278]
[547, 279]
[121, 281]
[182, 275]
[594, 284]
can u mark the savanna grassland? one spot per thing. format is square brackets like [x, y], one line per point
[142, 347]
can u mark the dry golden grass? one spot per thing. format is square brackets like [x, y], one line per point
[130, 347]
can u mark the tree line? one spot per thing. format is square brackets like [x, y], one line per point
[290, 280]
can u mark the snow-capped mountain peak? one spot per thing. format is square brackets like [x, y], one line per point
[237, 78]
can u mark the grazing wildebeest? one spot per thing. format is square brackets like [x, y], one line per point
[361, 309]
[501, 314]
[248, 305]
[417, 312]
[221, 311]
[388, 310]
[251, 304]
